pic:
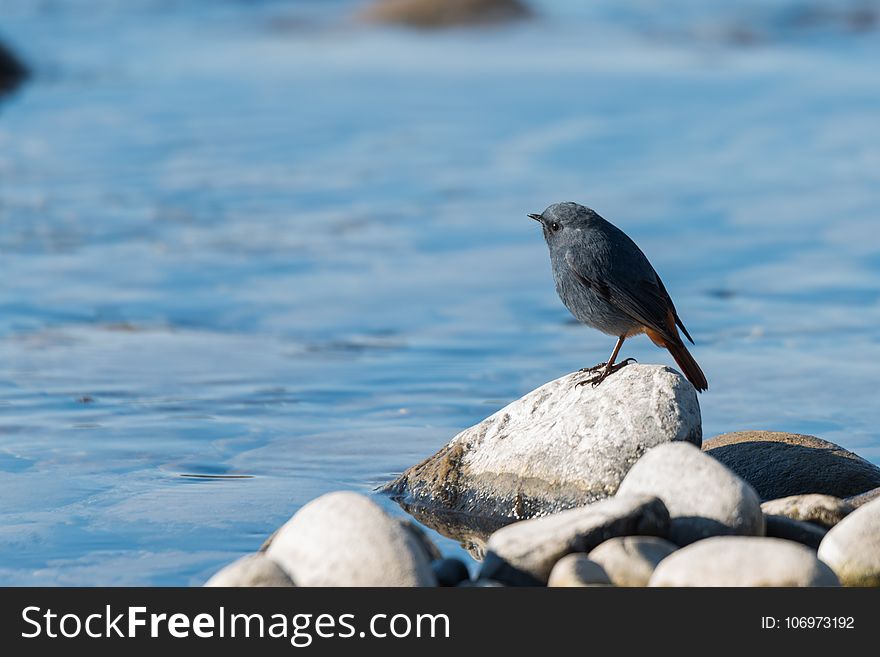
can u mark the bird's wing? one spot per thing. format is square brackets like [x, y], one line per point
[635, 291]
[674, 311]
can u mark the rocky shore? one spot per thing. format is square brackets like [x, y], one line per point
[603, 486]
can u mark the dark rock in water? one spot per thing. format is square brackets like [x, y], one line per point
[429, 14]
[525, 552]
[799, 531]
[556, 448]
[450, 572]
[12, 71]
[782, 464]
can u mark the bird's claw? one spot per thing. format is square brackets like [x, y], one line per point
[605, 373]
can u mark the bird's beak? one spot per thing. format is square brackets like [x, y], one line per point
[536, 217]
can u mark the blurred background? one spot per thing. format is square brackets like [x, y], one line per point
[255, 251]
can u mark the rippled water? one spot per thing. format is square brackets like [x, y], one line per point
[253, 252]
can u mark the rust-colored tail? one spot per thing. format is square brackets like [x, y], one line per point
[688, 365]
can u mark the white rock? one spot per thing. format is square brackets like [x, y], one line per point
[525, 552]
[346, 539]
[852, 547]
[743, 561]
[251, 570]
[575, 570]
[558, 447]
[631, 560]
[704, 498]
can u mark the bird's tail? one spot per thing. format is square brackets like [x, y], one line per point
[688, 365]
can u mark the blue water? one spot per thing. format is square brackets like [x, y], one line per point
[258, 239]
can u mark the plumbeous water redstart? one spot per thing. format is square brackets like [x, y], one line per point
[606, 282]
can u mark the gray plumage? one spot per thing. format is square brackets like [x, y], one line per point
[606, 282]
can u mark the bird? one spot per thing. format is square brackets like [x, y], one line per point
[607, 283]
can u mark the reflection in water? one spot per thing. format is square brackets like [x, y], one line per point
[302, 256]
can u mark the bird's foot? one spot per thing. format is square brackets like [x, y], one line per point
[594, 368]
[606, 371]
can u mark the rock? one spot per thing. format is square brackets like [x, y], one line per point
[445, 13]
[825, 510]
[251, 570]
[558, 447]
[852, 547]
[577, 570]
[450, 572]
[630, 560]
[346, 539]
[783, 464]
[805, 533]
[859, 500]
[743, 561]
[525, 552]
[703, 497]
[12, 71]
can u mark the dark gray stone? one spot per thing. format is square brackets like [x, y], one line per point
[783, 464]
[805, 533]
[450, 572]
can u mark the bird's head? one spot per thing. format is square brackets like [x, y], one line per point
[561, 219]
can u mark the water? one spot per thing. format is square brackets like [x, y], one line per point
[253, 252]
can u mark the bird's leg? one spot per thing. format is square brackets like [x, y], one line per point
[607, 368]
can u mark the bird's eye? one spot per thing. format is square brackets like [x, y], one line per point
[555, 226]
